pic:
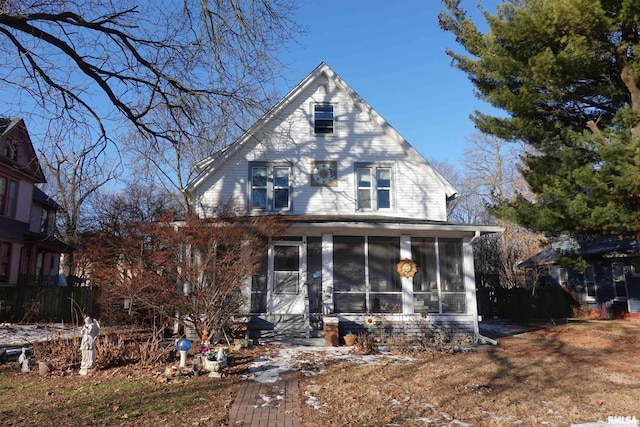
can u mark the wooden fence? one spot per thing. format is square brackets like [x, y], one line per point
[520, 305]
[45, 304]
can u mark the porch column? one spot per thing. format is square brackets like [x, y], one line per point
[470, 282]
[327, 273]
[407, 282]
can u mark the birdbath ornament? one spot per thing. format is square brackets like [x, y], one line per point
[183, 347]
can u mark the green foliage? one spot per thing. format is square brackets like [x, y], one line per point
[567, 74]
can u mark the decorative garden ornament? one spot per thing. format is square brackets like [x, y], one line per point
[89, 331]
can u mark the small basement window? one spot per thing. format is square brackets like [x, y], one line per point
[323, 119]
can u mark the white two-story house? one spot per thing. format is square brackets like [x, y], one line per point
[367, 222]
[29, 251]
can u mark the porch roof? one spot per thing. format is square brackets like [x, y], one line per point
[48, 242]
[351, 223]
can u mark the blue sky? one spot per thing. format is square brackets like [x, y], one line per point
[393, 55]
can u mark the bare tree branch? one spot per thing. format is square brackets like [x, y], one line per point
[119, 62]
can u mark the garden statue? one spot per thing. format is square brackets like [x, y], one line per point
[89, 332]
[23, 361]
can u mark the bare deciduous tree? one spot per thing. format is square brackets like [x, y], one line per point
[170, 69]
[190, 271]
[490, 173]
[76, 169]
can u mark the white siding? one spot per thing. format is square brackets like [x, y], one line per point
[416, 192]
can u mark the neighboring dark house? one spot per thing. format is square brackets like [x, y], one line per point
[610, 286]
[29, 252]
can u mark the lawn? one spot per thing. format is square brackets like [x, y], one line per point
[556, 375]
[574, 373]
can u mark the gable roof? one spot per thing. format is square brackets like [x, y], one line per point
[44, 198]
[604, 246]
[15, 129]
[208, 165]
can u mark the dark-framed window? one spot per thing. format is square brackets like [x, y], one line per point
[8, 197]
[590, 283]
[286, 268]
[5, 260]
[11, 150]
[448, 295]
[323, 119]
[619, 282]
[270, 186]
[365, 277]
[44, 221]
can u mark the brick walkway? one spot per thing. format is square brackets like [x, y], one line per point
[266, 404]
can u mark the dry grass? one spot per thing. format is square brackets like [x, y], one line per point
[554, 376]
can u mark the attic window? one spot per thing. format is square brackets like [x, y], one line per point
[11, 150]
[323, 119]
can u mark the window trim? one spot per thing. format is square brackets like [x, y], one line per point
[271, 187]
[374, 188]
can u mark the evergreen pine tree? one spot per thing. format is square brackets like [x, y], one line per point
[567, 73]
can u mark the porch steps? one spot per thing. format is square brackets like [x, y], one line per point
[281, 327]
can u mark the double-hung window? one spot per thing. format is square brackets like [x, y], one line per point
[11, 150]
[270, 186]
[8, 197]
[323, 119]
[590, 283]
[374, 187]
[44, 221]
[619, 282]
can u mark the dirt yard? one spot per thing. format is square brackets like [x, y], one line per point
[574, 373]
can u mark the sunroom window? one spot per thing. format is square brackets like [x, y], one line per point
[431, 295]
[365, 277]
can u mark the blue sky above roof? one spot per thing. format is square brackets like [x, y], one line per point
[393, 55]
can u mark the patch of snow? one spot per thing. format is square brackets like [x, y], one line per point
[16, 335]
[299, 358]
[315, 404]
